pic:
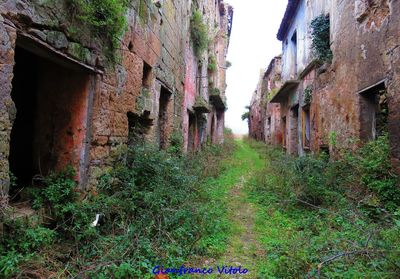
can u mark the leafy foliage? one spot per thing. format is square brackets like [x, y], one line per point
[198, 33]
[215, 91]
[321, 38]
[245, 115]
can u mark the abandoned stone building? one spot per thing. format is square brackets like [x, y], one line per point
[67, 99]
[351, 93]
[264, 117]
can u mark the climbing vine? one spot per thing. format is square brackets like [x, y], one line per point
[321, 38]
[198, 33]
[105, 19]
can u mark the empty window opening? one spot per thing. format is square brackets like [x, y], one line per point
[49, 131]
[202, 126]
[324, 149]
[294, 51]
[306, 128]
[374, 112]
[220, 123]
[212, 132]
[191, 131]
[294, 137]
[147, 75]
[163, 117]
[139, 126]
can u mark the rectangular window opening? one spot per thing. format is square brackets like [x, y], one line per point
[164, 117]
[147, 75]
[374, 112]
[306, 128]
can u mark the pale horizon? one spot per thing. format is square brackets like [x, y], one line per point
[257, 23]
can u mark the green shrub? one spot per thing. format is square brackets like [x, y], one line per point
[198, 33]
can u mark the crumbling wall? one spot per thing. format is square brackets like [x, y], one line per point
[155, 55]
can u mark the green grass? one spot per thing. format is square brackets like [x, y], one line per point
[240, 163]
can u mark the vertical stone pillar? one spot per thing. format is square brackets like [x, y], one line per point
[8, 37]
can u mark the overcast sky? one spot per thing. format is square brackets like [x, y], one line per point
[253, 44]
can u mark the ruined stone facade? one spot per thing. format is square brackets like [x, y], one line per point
[62, 103]
[351, 99]
[264, 117]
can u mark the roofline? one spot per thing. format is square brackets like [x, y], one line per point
[272, 64]
[287, 18]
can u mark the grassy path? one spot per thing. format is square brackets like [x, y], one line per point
[241, 248]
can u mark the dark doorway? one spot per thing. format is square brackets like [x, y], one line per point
[163, 117]
[191, 132]
[24, 95]
[212, 132]
[50, 129]
[139, 126]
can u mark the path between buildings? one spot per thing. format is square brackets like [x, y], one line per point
[243, 248]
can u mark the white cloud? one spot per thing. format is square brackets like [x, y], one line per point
[253, 44]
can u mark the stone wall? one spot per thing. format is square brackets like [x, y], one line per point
[147, 91]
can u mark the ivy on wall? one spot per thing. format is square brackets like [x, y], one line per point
[321, 38]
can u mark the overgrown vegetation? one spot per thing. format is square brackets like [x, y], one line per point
[321, 38]
[152, 211]
[307, 97]
[106, 20]
[212, 64]
[215, 91]
[330, 219]
[198, 33]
